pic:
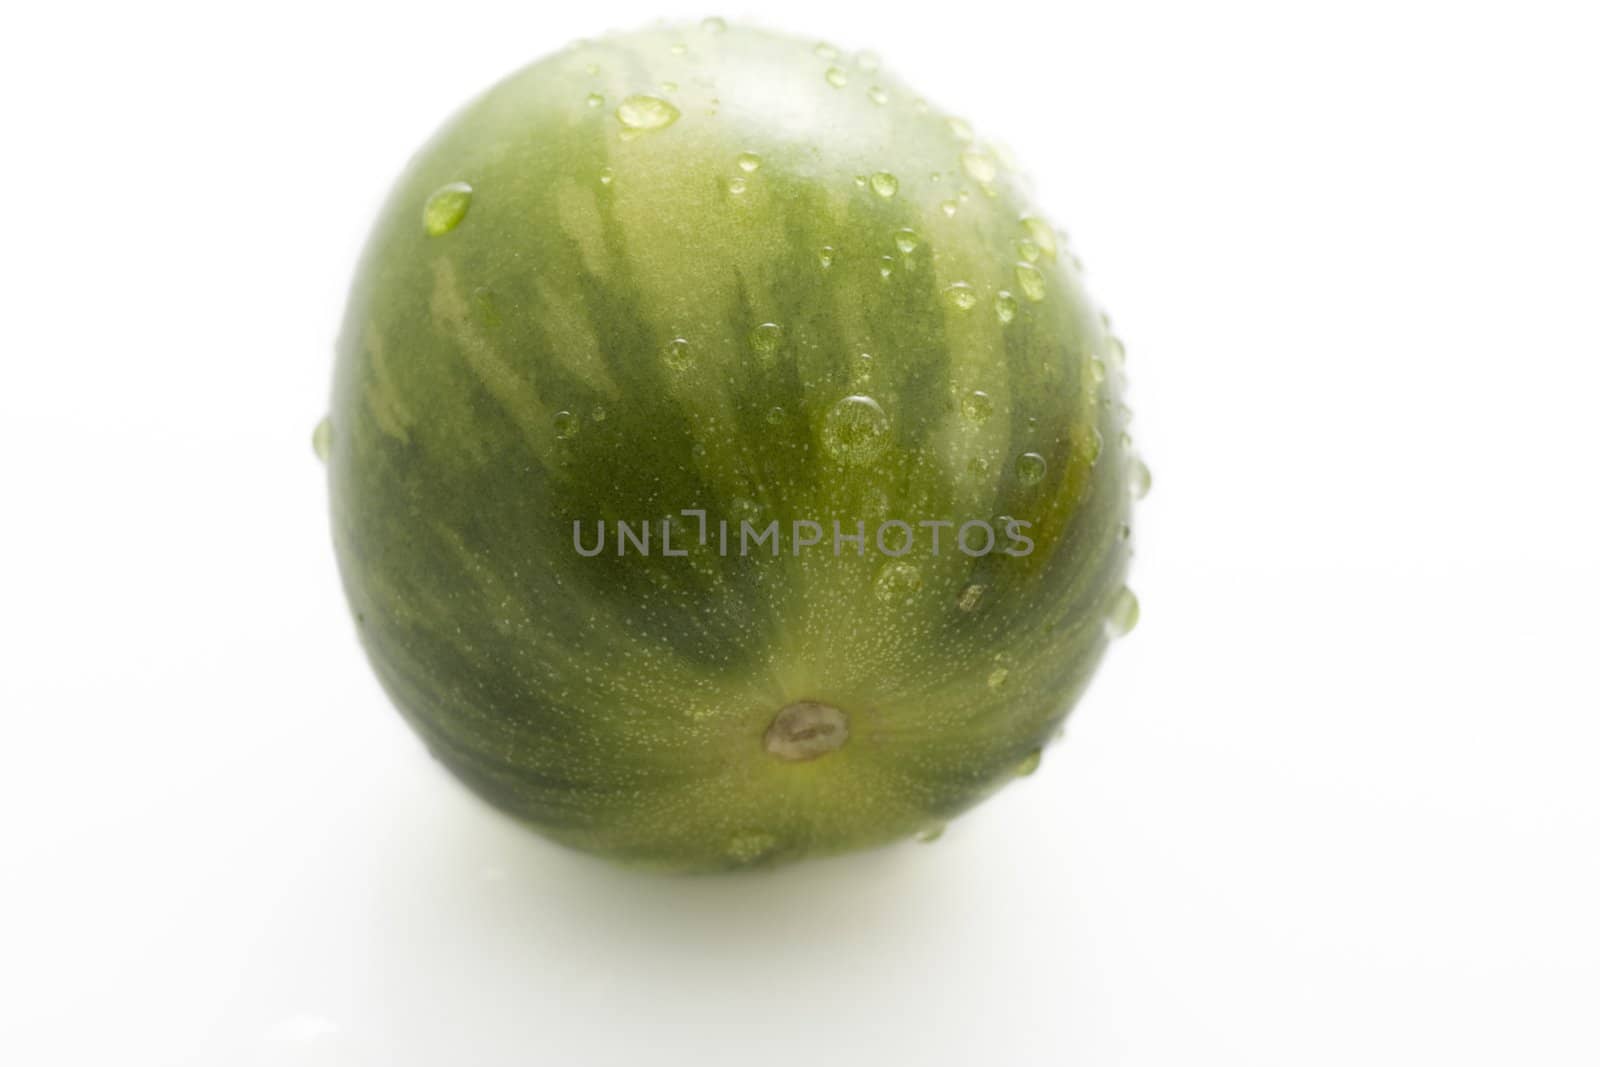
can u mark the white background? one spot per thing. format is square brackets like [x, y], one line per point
[1333, 802]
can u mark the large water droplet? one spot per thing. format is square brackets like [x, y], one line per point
[737, 185]
[1123, 615]
[446, 208]
[1030, 281]
[885, 184]
[1030, 468]
[980, 166]
[961, 296]
[749, 162]
[677, 353]
[948, 207]
[855, 430]
[595, 100]
[877, 95]
[322, 439]
[566, 425]
[886, 267]
[1028, 250]
[898, 582]
[607, 175]
[977, 405]
[907, 240]
[1005, 306]
[765, 340]
[1030, 763]
[643, 113]
[1093, 444]
[1042, 236]
[1139, 476]
[837, 77]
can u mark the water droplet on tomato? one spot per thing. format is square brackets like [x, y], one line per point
[1042, 236]
[643, 113]
[748, 846]
[1030, 281]
[765, 340]
[1005, 306]
[980, 166]
[855, 430]
[977, 405]
[677, 353]
[1139, 476]
[885, 184]
[446, 208]
[1123, 615]
[898, 582]
[961, 296]
[1030, 468]
[1093, 446]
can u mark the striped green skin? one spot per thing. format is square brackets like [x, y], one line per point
[501, 379]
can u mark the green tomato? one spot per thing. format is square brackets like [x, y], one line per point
[727, 465]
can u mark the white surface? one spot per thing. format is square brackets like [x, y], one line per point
[1333, 802]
